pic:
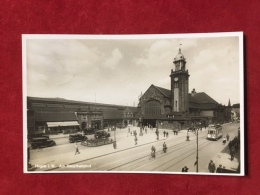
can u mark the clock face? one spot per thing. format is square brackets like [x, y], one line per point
[176, 79]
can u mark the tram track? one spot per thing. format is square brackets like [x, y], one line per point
[144, 158]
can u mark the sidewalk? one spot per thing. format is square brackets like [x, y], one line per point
[123, 141]
[224, 159]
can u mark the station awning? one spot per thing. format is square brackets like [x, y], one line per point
[62, 124]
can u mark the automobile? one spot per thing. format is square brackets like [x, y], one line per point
[101, 134]
[36, 135]
[67, 131]
[40, 142]
[89, 131]
[76, 137]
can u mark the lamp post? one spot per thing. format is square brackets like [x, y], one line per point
[114, 128]
[187, 137]
[197, 156]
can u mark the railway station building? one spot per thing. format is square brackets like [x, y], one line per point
[173, 108]
[176, 108]
[56, 115]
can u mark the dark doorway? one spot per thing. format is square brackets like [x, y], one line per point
[147, 122]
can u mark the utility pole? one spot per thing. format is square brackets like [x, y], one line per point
[197, 157]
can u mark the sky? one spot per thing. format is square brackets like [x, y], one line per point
[116, 69]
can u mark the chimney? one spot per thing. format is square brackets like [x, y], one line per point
[193, 92]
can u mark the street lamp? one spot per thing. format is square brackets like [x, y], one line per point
[197, 156]
[114, 143]
[187, 137]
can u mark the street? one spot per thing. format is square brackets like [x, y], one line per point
[136, 158]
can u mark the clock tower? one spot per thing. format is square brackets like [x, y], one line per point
[180, 85]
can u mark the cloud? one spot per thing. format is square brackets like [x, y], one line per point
[158, 54]
[113, 60]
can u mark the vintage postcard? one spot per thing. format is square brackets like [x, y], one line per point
[168, 104]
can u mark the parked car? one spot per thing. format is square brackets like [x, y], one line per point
[101, 134]
[76, 137]
[36, 135]
[39, 142]
[89, 131]
[67, 131]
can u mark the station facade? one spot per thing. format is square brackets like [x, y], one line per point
[176, 108]
[56, 115]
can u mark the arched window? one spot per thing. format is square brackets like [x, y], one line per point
[152, 108]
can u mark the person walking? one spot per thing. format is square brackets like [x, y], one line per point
[224, 140]
[164, 133]
[211, 166]
[164, 147]
[153, 151]
[219, 169]
[77, 149]
[167, 134]
[227, 136]
[232, 153]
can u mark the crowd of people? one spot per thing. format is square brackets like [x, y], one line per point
[233, 146]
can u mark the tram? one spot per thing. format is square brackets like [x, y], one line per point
[214, 132]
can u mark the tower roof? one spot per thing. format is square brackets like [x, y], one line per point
[179, 56]
[229, 104]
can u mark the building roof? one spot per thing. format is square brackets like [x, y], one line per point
[42, 102]
[179, 56]
[203, 98]
[236, 106]
[55, 116]
[202, 101]
[198, 100]
[164, 91]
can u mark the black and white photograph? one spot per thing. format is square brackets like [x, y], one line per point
[157, 104]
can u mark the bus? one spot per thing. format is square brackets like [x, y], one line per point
[214, 132]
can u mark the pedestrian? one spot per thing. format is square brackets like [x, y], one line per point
[227, 136]
[232, 153]
[236, 147]
[157, 133]
[164, 133]
[153, 151]
[219, 169]
[77, 149]
[184, 169]
[211, 166]
[167, 134]
[224, 140]
[230, 144]
[136, 140]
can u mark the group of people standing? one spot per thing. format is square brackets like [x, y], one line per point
[233, 147]
[212, 167]
[165, 134]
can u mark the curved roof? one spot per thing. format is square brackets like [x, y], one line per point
[179, 56]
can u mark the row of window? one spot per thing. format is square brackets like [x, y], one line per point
[152, 108]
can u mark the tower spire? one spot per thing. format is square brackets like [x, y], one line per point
[229, 104]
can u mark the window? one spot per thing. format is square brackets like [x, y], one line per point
[152, 107]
